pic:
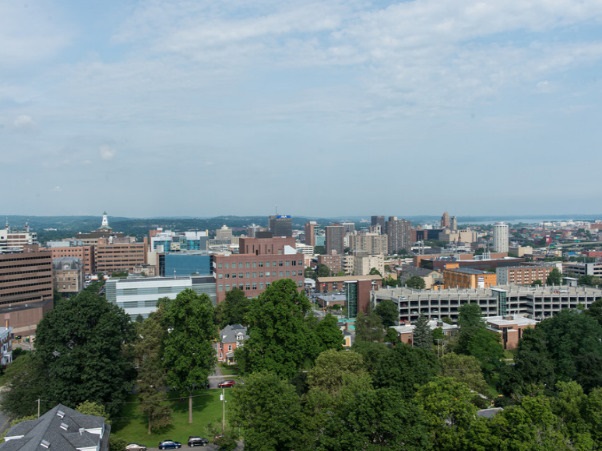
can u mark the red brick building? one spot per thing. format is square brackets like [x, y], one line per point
[260, 262]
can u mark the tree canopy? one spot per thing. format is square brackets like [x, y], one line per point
[388, 312]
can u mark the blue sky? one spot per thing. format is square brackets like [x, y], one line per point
[323, 108]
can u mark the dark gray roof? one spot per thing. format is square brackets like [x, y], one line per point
[489, 413]
[62, 428]
[228, 334]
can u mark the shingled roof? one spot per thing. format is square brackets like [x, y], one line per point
[61, 428]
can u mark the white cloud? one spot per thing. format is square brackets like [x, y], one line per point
[24, 122]
[107, 153]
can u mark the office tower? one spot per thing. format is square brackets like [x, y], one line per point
[399, 232]
[281, 225]
[445, 222]
[310, 233]
[335, 238]
[378, 221]
[500, 237]
[454, 223]
[349, 227]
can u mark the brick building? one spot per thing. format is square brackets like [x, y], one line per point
[113, 257]
[456, 277]
[26, 289]
[523, 275]
[260, 262]
[85, 254]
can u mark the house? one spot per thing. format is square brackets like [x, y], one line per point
[230, 338]
[61, 428]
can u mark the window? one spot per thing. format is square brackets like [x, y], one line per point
[281, 274]
[288, 274]
[220, 276]
[267, 274]
[261, 285]
[248, 275]
[267, 264]
[247, 286]
[247, 265]
[254, 264]
[220, 287]
[254, 275]
[240, 265]
[227, 265]
[287, 263]
[219, 266]
[229, 347]
[260, 264]
[254, 285]
[240, 275]
[260, 274]
[234, 275]
[280, 263]
[227, 287]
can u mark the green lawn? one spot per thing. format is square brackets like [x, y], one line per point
[228, 370]
[207, 408]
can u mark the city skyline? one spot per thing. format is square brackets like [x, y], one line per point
[321, 108]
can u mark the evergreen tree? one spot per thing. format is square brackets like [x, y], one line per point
[423, 335]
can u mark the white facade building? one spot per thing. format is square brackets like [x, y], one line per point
[500, 237]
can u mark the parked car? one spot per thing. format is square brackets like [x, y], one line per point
[135, 447]
[226, 384]
[169, 444]
[197, 441]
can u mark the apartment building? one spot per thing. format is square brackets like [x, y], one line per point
[368, 243]
[68, 274]
[400, 235]
[456, 277]
[522, 275]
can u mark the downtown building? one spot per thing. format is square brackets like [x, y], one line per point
[26, 289]
[400, 235]
[259, 263]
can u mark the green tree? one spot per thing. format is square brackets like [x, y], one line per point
[235, 307]
[404, 368]
[423, 335]
[449, 411]
[416, 282]
[388, 312]
[369, 327]
[537, 283]
[335, 370]
[82, 345]
[375, 272]
[268, 410]
[554, 278]
[25, 382]
[188, 353]
[322, 270]
[93, 408]
[152, 377]
[465, 369]
[328, 334]
[595, 310]
[280, 338]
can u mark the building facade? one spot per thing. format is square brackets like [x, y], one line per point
[500, 237]
[468, 278]
[68, 274]
[523, 275]
[85, 254]
[26, 289]
[281, 225]
[310, 233]
[400, 235]
[335, 239]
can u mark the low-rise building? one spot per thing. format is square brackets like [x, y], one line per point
[456, 277]
[510, 328]
[523, 275]
[230, 338]
[68, 273]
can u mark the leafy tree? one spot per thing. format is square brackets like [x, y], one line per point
[592, 414]
[423, 335]
[280, 338]
[334, 370]
[416, 282]
[404, 368]
[372, 352]
[375, 272]
[328, 334]
[93, 408]
[369, 327]
[554, 278]
[82, 347]
[595, 310]
[537, 283]
[449, 411]
[322, 270]
[390, 281]
[269, 411]
[25, 382]
[568, 405]
[235, 307]
[465, 369]
[152, 377]
[188, 353]
[388, 312]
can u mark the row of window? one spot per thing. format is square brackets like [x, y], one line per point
[247, 286]
[259, 264]
[248, 275]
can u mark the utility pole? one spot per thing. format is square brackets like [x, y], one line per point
[223, 399]
[38, 407]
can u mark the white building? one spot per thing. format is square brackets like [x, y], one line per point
[500, 237]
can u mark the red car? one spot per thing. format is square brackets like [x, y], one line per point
[226, 384]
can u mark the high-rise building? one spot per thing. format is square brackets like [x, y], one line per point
[335, 238]
[454, 223]
[400, 234]
[368, 243]
[378, 221]
[310, 233]
[349, 227]
[500, 237]
[445, 221]
[281, 225]
[26, 289]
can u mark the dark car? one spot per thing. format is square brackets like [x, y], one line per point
[226, 384]
[169, 444]
[197, 441]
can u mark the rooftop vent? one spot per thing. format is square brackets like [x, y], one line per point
[64, 426]
[60, 413]
[45, 443]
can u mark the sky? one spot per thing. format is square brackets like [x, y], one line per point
[326, 108]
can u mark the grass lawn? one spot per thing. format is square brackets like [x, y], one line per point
[207, 408]
[228, 370]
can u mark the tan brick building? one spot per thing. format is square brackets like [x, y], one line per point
[84, 253]
[467, 278]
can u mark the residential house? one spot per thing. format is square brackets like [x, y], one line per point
[230, 338]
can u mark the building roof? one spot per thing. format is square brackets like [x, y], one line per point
[229, 333]
[467, 271]
[348, 278]
[60, 428]
[510, 320]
